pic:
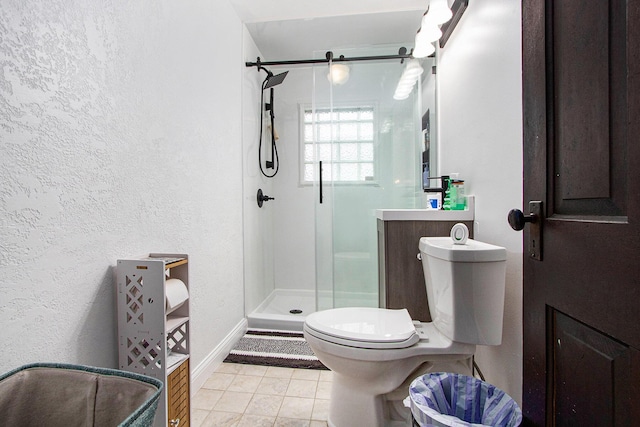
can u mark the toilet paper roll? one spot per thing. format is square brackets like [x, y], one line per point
[459, 234]
[176, 294]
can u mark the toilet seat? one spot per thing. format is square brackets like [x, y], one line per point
[364, 327]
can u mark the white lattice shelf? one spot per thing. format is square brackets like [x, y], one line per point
[152, 342]
[175, 321]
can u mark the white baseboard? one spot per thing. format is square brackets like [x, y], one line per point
[214, 359]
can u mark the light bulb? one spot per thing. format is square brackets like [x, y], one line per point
[408, 79]
[439, 11]
[402, 92]
[429, 28]
[413, 69]
[338, 74]
[400, 97]
[423, 48]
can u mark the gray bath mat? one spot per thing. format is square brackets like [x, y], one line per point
[274, 348]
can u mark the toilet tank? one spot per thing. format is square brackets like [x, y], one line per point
[465, 288]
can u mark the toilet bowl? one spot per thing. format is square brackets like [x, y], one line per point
[374, 351]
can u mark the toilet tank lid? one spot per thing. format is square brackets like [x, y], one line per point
[472, 251]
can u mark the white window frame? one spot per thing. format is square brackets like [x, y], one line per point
[303, 108]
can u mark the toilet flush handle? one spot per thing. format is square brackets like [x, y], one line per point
[419, 256]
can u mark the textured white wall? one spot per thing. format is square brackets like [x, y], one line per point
[480, 114]
[120, 134]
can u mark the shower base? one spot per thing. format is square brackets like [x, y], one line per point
[275, 312]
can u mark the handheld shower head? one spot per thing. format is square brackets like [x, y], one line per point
[269, 82]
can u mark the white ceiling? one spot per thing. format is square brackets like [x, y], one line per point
[281, 10]
[295, 29]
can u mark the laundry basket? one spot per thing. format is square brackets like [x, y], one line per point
[446, 399]
[47, 394]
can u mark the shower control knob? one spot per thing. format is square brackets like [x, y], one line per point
[263, 198]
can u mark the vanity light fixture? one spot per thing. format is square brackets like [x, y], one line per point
[429, 30]
[437, 14]
[458, 7]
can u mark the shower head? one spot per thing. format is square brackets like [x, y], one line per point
[274, 80]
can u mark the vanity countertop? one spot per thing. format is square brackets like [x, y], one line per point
[428, 214]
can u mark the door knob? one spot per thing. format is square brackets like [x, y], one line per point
[517, 219]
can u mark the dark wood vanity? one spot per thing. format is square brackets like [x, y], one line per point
[401, 279]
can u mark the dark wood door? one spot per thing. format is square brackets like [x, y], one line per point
[581, 88]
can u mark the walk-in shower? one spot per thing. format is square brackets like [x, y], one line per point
[306, 254]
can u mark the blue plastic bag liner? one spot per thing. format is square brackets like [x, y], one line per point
[445, 399]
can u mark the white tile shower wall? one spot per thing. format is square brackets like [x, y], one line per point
[258, 222]
[294, 214]
[480, 114]
[120, 134]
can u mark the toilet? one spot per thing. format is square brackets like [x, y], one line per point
[375, 353]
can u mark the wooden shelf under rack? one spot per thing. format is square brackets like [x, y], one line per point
[175, 263]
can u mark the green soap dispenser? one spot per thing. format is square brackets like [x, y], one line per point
[450, 197]
[459, 202]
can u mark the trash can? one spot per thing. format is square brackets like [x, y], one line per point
[445, 399]
[47, 394]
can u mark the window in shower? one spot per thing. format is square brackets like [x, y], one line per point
[344, 140]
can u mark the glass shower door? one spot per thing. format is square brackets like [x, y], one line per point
[323, 134]
[369, 146]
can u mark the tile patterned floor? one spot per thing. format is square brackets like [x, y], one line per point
[259, 396]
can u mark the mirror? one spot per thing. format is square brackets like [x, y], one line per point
[429, 124]
[429, 100]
